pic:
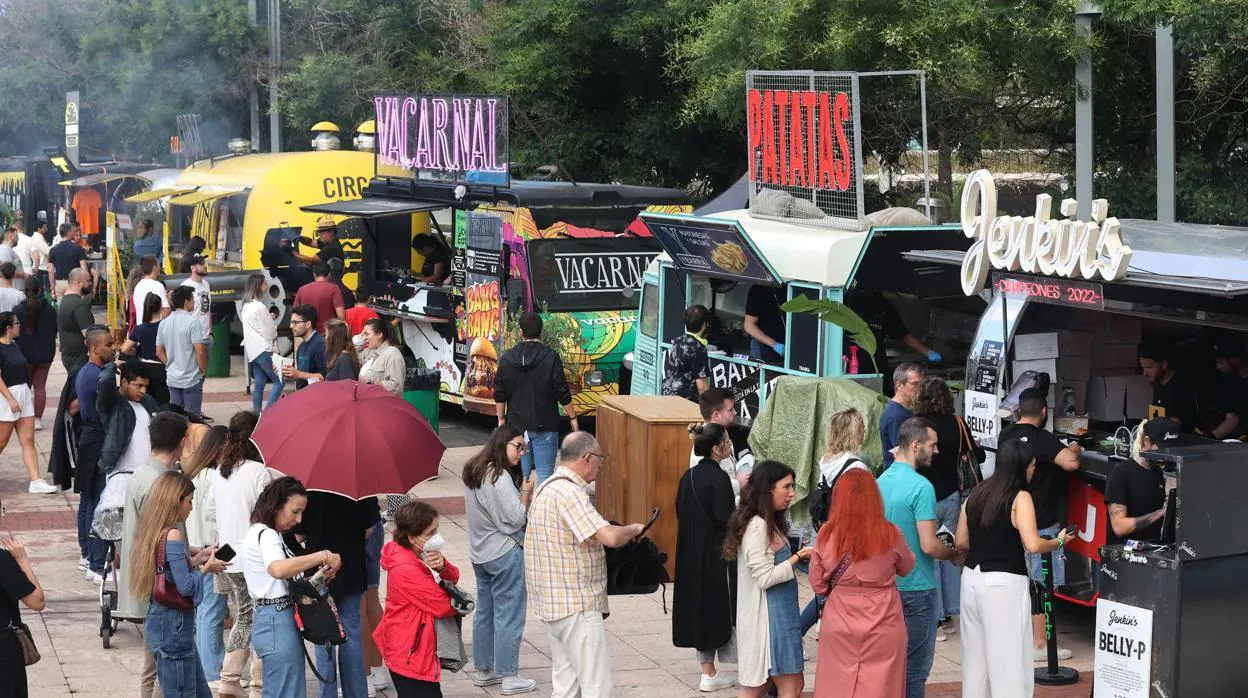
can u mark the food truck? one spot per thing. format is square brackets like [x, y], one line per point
[571, 251]
[1073, 304]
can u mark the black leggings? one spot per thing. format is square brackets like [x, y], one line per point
[415, 688]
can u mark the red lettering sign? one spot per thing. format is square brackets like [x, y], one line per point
[798, 138]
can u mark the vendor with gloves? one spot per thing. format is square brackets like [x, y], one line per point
[885, 322]
[764, 323]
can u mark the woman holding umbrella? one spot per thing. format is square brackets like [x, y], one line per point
[383, 362]
[497, 507]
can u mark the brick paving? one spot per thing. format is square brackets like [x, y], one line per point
[644, 663]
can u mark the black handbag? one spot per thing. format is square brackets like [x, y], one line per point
[637, 567]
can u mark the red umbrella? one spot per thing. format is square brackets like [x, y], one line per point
[349, 438]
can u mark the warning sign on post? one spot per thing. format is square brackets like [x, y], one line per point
[1124, 650]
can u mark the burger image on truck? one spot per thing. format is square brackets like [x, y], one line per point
[479, 378]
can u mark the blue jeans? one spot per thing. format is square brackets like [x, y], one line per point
[948, 575]
[210, 608]
[498, 624]
[543, 445]
[90, 547]
[171, 637]
[190, 399]
[349, 669]
[1034, 562]
[812, 613]
[277, 642]
[262, 373]
[920, 608]
[372, 553]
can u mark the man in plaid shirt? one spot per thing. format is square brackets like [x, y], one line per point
[566, 569]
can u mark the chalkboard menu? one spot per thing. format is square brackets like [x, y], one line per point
[711, 247]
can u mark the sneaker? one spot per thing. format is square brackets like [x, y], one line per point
[42, 487]
[214, 686]
[38, 425]
[951, 627]
[486, 678]
[379, 678]
[94, 577]
[940, 635]
[83, 564]
[1041, 654]
[716, 682]
[513, 685]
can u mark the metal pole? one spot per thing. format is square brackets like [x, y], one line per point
[1083, 115]
[927, 174]
[253, 99]
[275, 62]
[1165, 123]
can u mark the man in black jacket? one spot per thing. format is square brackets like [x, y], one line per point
[528, 389]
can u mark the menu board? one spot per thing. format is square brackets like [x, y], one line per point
[712, 248]
[987, 367]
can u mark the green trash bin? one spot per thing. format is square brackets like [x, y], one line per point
[219, 356]
[421, 389]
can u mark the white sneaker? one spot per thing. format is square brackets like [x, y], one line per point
[485, 678]
[951, 627]
[38, 425]
[94, 578]
[1042, 654]
[716, 682]
[213, 686]
[513, 685]
[83, 564]
[940, 635]
[42, 487]
[379, 678]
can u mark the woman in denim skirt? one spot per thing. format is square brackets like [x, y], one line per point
[171, 631]
[267, 564]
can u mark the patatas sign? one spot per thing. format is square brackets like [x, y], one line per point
[1038, 244]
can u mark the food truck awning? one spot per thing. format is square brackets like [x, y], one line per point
[154, 194]
[199, 197]
[373, 207]
[1205, 259]
[99, 178]
[793, 252]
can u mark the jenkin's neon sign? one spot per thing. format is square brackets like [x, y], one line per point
[444, 133]
[1037, 244]
[797, 138]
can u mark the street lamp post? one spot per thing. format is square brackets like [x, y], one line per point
[1084, 161]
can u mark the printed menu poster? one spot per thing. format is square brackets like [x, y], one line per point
[714, 248]
[1124, 651]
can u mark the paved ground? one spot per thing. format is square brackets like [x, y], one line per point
[643, 660]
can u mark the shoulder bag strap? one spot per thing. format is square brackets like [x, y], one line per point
[838, 572]
[965, 444]
[693, 486]
[160, 552]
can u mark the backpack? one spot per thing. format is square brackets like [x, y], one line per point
[821, 503]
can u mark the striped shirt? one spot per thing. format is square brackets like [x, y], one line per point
[565, 567]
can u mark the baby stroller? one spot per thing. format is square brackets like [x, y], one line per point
[107, 525]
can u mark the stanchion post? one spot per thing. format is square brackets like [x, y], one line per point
[1051, 674]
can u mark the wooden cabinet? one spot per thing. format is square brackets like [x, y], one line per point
[646, 441]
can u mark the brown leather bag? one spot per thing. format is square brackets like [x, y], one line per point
[30, 653]
[164, 591]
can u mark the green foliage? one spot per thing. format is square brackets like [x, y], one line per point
[840, 315]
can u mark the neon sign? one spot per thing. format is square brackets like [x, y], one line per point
[456, 137]
[1037, 244]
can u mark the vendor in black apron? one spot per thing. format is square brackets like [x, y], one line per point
[1173, 396]
[764, 323]
[1227, 413]
[884, 321]
[326, 243]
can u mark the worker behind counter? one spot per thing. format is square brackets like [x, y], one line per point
[326, 243]
[1227, 413]
[884, 321]
[437, 266]
[1136, 490]
[764, 322]
[1173, 396]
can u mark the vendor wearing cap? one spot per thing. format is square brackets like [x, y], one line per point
[1136, 490]
[326, 243]
[1173, 396]
[1227, 416]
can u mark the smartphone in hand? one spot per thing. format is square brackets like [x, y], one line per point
[225, 553]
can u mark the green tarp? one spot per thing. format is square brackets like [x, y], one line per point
[793, 428]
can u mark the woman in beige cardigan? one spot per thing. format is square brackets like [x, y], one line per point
[382, 362]
[757, 537]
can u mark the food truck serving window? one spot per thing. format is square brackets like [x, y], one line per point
[589, 274]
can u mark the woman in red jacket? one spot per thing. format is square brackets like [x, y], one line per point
[406, 636]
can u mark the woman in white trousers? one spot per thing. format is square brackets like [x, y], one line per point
[997, 523]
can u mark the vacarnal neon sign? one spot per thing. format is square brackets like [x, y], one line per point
[1037, 244]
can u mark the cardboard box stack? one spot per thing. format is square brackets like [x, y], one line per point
[1115, 391]
[1065, 355]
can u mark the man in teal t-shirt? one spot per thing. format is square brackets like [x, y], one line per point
[910, 503]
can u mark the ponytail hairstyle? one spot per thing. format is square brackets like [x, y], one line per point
[34, 303]
[238, 445]
[705, 438]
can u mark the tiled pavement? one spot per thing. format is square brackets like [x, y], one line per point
[643, 660]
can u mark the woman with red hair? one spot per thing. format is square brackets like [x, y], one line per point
[858, 555]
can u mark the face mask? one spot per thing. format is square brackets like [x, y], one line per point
[434, 544]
